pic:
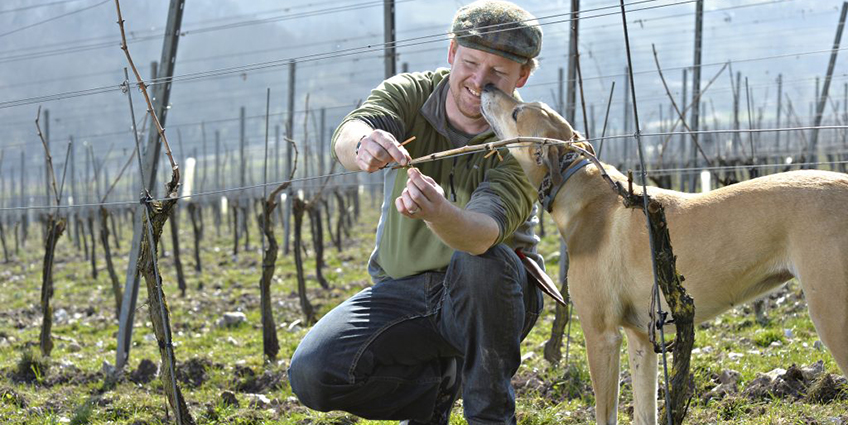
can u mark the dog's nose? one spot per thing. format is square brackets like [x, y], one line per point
[489, 88]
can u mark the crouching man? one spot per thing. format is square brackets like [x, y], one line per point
[451, 300]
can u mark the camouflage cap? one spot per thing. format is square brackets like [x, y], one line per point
[498, 27]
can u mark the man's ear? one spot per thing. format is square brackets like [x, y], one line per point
[452, 51]
[523, 76]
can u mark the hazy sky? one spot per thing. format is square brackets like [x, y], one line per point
[79, 51]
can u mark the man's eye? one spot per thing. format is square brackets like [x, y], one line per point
[515, 114]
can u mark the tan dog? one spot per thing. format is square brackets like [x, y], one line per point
[733, 244]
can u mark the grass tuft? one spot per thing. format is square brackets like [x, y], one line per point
[82, 414]
[767, 336]
[32, 367]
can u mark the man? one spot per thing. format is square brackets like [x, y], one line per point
[452, 300]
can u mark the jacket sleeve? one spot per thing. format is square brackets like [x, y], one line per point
[505, 195]
[392, 105]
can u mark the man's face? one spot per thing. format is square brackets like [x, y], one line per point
[471, 70]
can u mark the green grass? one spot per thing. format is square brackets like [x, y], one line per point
[554, 394]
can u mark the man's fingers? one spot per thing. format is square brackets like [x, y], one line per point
[417, 195]
[428, 187]
[383, 148]
[376, 151]
[408, 202]
[395, 151]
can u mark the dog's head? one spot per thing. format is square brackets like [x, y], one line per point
[511, 118]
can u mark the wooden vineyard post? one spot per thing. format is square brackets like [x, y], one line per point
[318, 240]
[234, 208]
[92, 257]
[175, 241]
[110, 266]
[105, 217]
[299, 206]
[2, 216]
[340, 222]
[195, 212]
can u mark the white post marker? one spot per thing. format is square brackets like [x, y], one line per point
[189, 178]
[706, 181]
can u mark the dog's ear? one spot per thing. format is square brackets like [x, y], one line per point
[581, 142]
[552, 154]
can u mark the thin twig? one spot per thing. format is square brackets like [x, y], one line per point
[582, 97]
[691, 104]
[750, 121]
[47, 154]
[284, 185]
[677, 109]
[606, 120]
[124, 168]
[65, 168]
[141, 85]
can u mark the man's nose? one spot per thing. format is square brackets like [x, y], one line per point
[479, 79]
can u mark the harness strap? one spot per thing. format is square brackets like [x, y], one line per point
[548, 191]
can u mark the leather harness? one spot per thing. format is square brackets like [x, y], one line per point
[568, 165]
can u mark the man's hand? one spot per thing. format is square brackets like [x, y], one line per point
[378, 149]
[422, 198]
[459, 229]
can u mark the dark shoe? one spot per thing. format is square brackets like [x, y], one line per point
[448, 392]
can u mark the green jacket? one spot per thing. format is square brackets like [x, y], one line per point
[412, 104]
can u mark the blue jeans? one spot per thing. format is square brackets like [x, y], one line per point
[380, 354]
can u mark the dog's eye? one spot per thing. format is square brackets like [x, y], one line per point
[515, 114]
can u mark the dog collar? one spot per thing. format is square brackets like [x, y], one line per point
[567, 167]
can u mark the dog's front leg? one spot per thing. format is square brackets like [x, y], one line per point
[643, 369]
[602, 347]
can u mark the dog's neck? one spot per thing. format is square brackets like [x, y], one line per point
[558, 174]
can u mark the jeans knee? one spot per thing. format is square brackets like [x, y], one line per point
[499, 262]
[306, 378]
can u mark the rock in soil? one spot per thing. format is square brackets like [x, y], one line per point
[258, 401]
[246, 380]
[813, 371]
[827, 389]
[228, 398]
[790, 385]
[728, 385]
[193, 372]
[145, 372]
[232, 318]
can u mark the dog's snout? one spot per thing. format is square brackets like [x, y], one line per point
[489, 88]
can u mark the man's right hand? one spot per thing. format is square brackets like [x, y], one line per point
[378, 149]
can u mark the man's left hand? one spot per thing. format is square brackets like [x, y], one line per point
[422, 198]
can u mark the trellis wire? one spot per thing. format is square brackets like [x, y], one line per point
[658, 171]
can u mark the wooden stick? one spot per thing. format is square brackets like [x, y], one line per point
[143, 87]
[409, 140]
[47, 154]
[681, 118]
